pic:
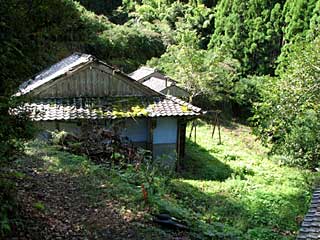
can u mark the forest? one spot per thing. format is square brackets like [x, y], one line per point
[256, 61]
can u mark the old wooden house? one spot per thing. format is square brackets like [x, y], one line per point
[159, 82]
[81, 89]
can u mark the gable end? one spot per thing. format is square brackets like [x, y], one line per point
[92, 80]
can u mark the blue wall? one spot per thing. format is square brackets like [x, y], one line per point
[136, 130]
[165, 131]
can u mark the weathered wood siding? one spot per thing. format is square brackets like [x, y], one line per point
[93, 81]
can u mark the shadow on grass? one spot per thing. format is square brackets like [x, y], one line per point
[199, 164]
[225, 217]
[231, 125]
[257, 214]
[209, 216]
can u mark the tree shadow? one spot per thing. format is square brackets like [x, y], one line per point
[223, 216]
[211, 216]
[231, 125]
[199, 164]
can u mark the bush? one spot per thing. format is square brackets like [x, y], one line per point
[7, 204]
[247, 92]
[288, 113]
[303, 140]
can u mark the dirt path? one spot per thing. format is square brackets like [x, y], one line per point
[54, 205]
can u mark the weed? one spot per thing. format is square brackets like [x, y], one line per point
[39, 205]
[227, 191]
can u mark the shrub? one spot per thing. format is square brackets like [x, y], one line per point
[288, 114]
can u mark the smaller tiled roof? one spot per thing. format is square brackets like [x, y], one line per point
[157, 84]
[107, 108]
[142, 72]
[310, 228]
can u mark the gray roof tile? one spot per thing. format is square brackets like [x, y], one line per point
[310, 227]
[157, 84]
[110, 108]
[142, 72]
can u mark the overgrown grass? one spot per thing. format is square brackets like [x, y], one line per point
[239, 185]
[228, 191]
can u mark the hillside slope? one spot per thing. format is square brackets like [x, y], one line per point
[228, 191]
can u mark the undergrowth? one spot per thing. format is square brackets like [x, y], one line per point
[228, 191]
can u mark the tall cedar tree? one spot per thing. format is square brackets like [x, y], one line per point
[251, 31]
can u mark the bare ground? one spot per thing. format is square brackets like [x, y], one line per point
[54, 206]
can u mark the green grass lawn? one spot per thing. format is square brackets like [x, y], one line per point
[229, 191]
[239, 185]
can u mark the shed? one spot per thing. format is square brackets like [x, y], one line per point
[159, 82]
[81, 89]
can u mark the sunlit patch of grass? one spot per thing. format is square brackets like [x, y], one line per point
[257, 196]
[229, 191]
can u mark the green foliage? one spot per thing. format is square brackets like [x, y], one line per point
[314, 22]
[106, 8]
[247, 91]
[39, 206]
[256, 199]
[7, 204]
[288, 115]
[200, 72]
[127, 47]
[297, 15]
[251, 32]
[14, 130]
[60, 28]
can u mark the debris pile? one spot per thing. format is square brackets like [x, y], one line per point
[103, 146]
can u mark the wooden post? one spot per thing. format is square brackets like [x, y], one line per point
[195, 133]
[181, 140]
[151, 126]
[178, 146]
[218, 122]
[192, 125]
[214, 125]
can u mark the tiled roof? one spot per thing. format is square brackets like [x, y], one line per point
[54, 71]
[310, 228]
[142, 72]
[157, 84]
[107, 108]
